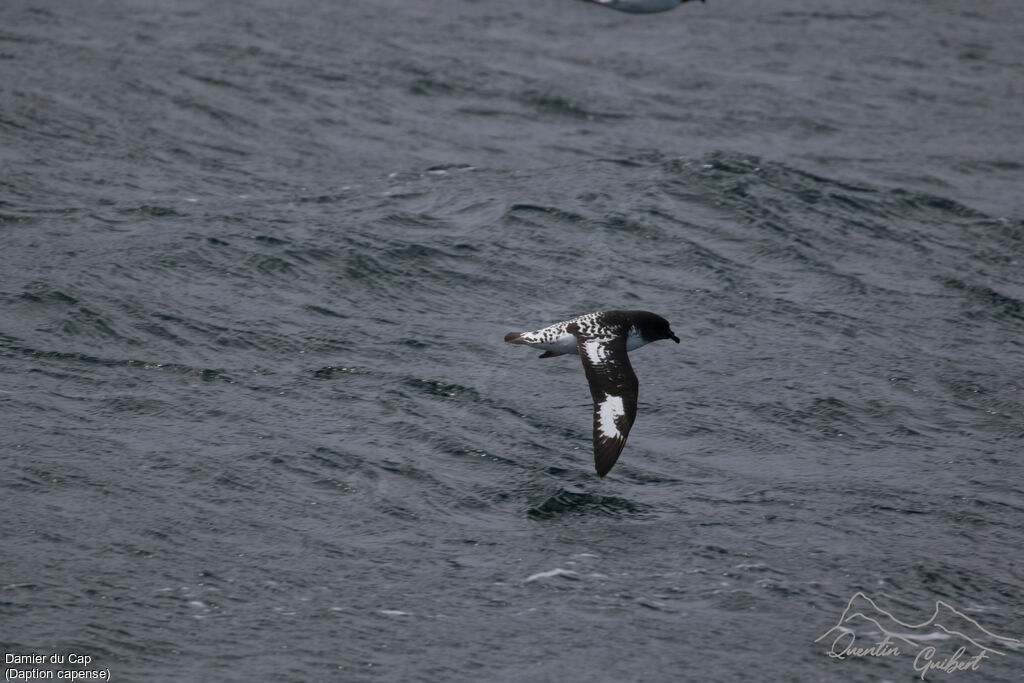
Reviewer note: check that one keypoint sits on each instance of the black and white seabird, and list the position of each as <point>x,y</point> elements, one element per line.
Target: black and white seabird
<point>640,6</point>
<point>602,341</point>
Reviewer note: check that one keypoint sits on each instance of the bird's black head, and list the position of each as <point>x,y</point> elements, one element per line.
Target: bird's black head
<point>653,327</point>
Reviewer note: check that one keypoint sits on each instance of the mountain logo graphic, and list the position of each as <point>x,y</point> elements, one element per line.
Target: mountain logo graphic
<point>973,643</point>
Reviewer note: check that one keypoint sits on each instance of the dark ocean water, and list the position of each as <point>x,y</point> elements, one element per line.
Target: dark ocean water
<point>258,421</point>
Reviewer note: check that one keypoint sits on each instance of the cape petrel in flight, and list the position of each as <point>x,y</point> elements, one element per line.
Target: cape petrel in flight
<point>602,341</point>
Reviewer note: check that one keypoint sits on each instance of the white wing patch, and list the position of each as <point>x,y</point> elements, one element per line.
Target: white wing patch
<point>609,410</point>
<point>597,350</point>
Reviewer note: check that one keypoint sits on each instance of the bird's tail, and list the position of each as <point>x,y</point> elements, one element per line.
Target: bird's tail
<point>515,338</point>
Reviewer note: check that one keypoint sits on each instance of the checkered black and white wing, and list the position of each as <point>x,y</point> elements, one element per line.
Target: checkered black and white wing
<point>614,388</point>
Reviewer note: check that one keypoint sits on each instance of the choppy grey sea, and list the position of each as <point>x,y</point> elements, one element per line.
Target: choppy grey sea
<point>258,423</point>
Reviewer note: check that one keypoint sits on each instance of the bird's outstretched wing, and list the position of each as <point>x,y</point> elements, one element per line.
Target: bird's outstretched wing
<point>614,388</point>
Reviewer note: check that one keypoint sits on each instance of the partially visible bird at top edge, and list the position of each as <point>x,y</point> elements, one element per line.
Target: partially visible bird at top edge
<point>640,6</point>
